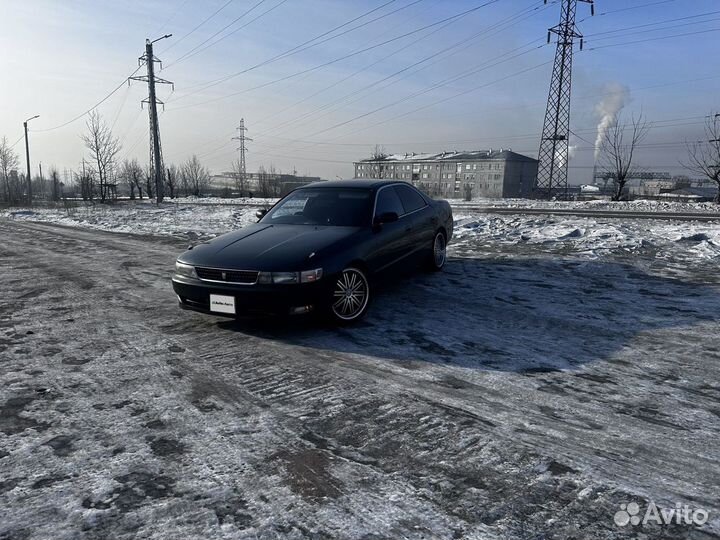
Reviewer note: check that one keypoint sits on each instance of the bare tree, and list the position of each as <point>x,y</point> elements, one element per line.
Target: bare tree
<point>8,162</point>
<point>378,154</point>
<point>55,184</point>
<point>171,181</point>
<point>86,182</point>
<point>183,184</point>
<point>149,181</point>
<point>195,175</point>
<point>617,150</point>
<point>263,183</point>
<point>704,156</point>
<point>132,174</point>
<point>103,147</point>
<point>268,182</point>
<point>276,188</point>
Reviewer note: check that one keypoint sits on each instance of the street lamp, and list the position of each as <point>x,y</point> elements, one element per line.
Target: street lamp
<point>27,157</point>
<point>158,39</point>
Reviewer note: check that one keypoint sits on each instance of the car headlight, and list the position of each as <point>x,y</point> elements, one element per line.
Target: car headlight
<point>289,278</point>
<point>311,276</point>
<point>185,270</point>
<point>284,277</point>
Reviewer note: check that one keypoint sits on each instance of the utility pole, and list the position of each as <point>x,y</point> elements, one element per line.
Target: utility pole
<point>27,158</point>
<point>156,162</point>
<point>554,144</point>
<point>242,149</point>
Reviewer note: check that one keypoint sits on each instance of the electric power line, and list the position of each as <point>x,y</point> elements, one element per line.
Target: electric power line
<point>437,55</point>
<point>652,39</point>
<point>676,19</point>
<point>334,61</point>
<point>103,100</point>
<point>302,46</point>
<point>200,25</point>
<point>621,10</point>
<point>197,49</point>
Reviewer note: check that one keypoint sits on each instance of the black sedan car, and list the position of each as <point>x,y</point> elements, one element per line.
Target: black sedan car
<point>321,248</point>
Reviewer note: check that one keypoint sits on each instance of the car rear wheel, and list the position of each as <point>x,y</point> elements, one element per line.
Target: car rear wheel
<point>439,252</point>
<point>350,297</point>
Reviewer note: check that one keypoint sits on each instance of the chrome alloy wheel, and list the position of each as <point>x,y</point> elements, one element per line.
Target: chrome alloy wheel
<point>350,295</point>
<point>439,250</point>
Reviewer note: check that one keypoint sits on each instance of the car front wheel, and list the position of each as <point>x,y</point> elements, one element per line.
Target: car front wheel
<point>351,296</point>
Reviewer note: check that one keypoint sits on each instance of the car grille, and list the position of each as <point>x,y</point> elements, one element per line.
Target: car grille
<point>246,277</point>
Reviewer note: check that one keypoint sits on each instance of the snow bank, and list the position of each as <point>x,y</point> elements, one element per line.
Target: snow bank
<point>475,232</point>
<point>593,237</point>
<point>640,205</point>
<point>169,219</point>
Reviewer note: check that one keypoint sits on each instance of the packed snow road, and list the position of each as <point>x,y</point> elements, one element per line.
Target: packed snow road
<point>523,393</point>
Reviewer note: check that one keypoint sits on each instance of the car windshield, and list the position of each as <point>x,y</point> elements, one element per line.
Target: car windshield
<point>340,207</point>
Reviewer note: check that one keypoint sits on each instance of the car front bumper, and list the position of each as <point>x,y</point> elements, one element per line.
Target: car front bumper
<point>301,298</point>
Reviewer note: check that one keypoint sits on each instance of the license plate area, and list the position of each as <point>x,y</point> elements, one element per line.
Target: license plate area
<point>219,303</point>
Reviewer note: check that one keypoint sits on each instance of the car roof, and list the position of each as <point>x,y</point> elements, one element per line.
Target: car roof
<point>354,183</point>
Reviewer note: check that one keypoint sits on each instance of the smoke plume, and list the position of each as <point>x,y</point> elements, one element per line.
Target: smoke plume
<point>616,97</point>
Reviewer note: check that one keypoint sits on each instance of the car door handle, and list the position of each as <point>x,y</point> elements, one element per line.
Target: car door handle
<point>408,229</point>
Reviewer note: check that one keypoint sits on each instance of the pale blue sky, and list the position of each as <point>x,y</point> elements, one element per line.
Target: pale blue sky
<point>62,57</point>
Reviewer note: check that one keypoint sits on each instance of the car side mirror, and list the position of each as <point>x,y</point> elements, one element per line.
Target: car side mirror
<point>386,217</point>
<point>261,213</point>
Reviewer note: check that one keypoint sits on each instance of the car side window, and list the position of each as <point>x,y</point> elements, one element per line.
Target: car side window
<point>411,199</point>
<point>388,201</point>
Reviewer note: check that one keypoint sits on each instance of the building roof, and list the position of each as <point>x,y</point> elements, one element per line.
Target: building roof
<point>502,154</point>
<point>357,183</point>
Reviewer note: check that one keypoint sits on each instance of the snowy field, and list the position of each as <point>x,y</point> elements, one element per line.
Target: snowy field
<point>640,205</point>
<point>186,221</point>
<point>558,368</point>
<point>583,236</point>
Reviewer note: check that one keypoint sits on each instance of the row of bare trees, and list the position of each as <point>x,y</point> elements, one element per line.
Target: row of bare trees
<point>704,156</point>
<point>190,178</point>
<point>13,184</point>
<point>9,163</point>
<point>622,139</point>
<point>100,175</point>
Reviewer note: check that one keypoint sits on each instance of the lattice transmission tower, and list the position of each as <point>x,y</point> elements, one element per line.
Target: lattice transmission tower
<point>241,150</point>
<point>554,145</point>
<point>156,160</point>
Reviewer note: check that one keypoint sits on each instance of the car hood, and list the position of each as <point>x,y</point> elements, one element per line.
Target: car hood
<point>267,247</point>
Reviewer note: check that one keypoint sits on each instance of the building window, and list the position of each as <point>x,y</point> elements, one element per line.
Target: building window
<point>467,166</point>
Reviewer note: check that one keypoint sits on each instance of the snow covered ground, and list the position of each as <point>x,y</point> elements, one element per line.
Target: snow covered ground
<point>640,205</point>
<point>558,368</point>
<point>675,243</point>
<point>187,221</point>
<point>475,230</point>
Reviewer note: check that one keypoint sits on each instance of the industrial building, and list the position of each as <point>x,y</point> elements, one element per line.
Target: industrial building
<point>483,173</point>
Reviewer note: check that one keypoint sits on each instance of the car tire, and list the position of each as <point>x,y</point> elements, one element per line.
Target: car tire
<point>438,252</point>
<point>350,297</point>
